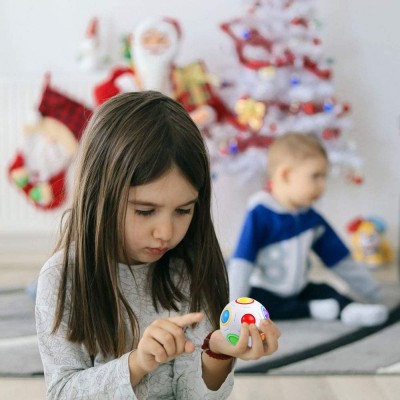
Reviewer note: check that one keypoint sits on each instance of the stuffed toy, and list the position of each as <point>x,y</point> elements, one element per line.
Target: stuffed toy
<point>369,245</point>
<point>154,46</point>
<point>49,144</point>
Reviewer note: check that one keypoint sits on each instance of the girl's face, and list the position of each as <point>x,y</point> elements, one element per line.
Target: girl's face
<point>306,182</point>
<point>158,216</point>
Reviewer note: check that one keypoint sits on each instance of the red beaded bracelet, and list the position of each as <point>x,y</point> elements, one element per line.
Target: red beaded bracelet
<point>206,348</point>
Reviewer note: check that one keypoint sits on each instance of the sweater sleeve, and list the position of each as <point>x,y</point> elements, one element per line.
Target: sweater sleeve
<point>328,245</point>
<point>254,233</point>
<point>188,380</point>
<point>334,253</point>
<point>68,368</point>
<point>239,272</point>
<point>359,279</point>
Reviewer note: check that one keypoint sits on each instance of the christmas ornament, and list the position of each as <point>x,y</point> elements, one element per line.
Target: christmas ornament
<point>89,50</point>
<point>250,112</point>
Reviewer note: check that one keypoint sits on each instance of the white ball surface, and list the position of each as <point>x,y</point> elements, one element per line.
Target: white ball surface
<point>243,309</point>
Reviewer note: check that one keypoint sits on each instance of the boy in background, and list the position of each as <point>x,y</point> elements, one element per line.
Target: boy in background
<point>271,262</point>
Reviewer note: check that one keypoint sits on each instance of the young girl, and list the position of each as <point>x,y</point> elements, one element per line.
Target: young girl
<point>129,305</point>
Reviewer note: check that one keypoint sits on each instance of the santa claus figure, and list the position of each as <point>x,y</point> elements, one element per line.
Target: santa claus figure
<point>155,45</point>
<point>89,50</point>
<point>50,142</point>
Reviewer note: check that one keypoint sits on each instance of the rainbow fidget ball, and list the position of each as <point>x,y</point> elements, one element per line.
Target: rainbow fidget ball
<point>243,309</point>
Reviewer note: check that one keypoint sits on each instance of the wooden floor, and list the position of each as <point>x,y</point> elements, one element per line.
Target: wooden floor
<point>317,388</point>
<point>259,388</point>
<point>14,272</point>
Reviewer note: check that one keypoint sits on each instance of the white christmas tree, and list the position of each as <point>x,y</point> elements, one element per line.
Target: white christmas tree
<point>282,83</point>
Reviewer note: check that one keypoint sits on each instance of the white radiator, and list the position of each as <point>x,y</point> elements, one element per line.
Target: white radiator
<point>19,97</point>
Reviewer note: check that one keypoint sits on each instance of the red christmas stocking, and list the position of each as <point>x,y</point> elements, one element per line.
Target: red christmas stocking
<point>39,167</point>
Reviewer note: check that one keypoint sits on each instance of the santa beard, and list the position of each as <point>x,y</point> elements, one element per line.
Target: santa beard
<point>44,159</point>
<point>154,68</point>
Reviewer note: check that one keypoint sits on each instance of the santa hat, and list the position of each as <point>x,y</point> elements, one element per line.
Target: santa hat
<point>92,29</point>
<point>71,113</point>
<point>110,88</point>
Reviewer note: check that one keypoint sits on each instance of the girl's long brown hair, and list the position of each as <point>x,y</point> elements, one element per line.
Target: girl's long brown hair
<point>131,140</point>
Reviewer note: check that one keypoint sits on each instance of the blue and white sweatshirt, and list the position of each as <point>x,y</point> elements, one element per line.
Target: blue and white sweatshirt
<point>275,245</point>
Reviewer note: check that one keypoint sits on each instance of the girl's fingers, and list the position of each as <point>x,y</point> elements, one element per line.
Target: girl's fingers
<point>242,345</point>
<point>170,337</point>
<point>257,346</point>
<point>264,340</point>
<point>188,319</point>
<point>189,347</point>
<point>272,334</point>
<point>170,344</point>
<point>250,345</point>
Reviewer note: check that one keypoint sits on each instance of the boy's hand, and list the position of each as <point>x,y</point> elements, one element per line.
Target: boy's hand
<point>259,348</point>
<point>164,340</point>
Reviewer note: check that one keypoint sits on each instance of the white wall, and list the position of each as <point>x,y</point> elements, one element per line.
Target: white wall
<point>361,35</point>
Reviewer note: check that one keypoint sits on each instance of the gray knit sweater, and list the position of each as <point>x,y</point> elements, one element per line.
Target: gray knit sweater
<point>71,374</point>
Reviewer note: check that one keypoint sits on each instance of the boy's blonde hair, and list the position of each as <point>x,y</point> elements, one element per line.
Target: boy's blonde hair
<point>293,147</point>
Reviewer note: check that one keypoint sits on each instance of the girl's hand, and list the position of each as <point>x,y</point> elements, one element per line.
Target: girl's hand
<point>163,341</point>
<point>259,348</point>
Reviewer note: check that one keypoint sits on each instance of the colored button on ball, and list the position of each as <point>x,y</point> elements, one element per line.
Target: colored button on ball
<point>248,318</point>
<point>225,316</point>
<point>232,338</point>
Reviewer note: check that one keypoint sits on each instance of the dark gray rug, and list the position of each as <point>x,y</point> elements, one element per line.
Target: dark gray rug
<point>305,338</point>
<point>19,354</point>
<point>306,346</point>
<point>375,353</point>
